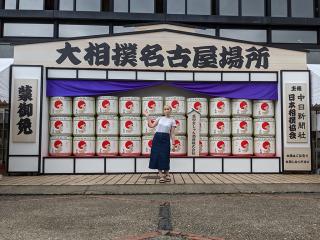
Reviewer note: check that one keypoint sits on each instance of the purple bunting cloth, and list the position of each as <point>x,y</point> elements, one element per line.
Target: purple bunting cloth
<point>248,90</point>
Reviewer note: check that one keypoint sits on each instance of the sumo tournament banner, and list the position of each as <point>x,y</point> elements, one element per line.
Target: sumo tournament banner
<point>24,111</point>
<point>193,133</point>
<point>296,121</point>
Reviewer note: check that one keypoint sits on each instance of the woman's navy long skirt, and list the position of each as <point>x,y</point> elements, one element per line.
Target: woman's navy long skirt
<point>160,152</point>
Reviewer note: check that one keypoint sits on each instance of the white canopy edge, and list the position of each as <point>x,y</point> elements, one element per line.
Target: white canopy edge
<point>4,78</point>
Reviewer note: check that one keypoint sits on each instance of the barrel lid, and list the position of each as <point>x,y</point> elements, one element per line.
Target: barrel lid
<point>175,97</point>
<point>242,119</point>
<point>147,137</point>
<point>107,97</point>
<point>130,138</point>
<point>61,137</point>
<point>61,98</point>
<point>87,118</point>
<point>84,98</point>
<point>181,137</point>
<point>78,138</point>
<point>219,99</point>
<point>152,98</point>
<point>130,118</point>
<point>264,138</point>
<point>61,118</point>
<point>112,117</point>
<point>220,119</point>
<point>264,120</point>
<point>242,138</point>
<point>129,98</point>
<point>113,138</point>
<point>220,138</point>
<point>197,99</point>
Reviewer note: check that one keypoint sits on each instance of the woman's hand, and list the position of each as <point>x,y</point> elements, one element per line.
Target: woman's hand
<point>145,112</point>
<point>152,122</point>
<point>173,149</point>
<point>173,138</point>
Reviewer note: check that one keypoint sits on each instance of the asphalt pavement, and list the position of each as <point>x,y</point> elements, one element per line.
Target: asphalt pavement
<point>220,216</point>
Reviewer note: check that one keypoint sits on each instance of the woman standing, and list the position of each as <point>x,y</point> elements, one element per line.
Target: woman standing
<point>160,150</point>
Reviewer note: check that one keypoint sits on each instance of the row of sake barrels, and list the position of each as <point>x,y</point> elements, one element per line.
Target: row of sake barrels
<point>62,106</point>
<point>109,146</point>
<point>243,146</point>
<point>131,126</point>
<point>111,126</point>
<point>133,146</point>
<point>222,107</point>
<point>242,126</point>
<point>219,107</point>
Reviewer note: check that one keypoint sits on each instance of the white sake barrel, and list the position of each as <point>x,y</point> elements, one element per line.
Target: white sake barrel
<point>61,126</point>
<point>204,127</point>
<point>84,106</point>
<point>220,146</point>
<point>263,108</point>
<point>130,106</point>
<point>220,127</point>
<point>242,146</point>
<point>264,147</point>
<point>130,126</point>
<point>203,146</point>
<point>179,146</point>
<point>152,105</point>
<point>146,130</point>
<point>241,107</point>
<point>84,146</point>
<point>220,107</point>
<point>146,145</point>
<point>198,104</point>
<point>177,103</point>
<point>130,146</point>
<point>107,125</point>
<point>181,122</point>
<point>242,126</point>
<point>107,146</point>
<point>107,105</point>
<point>61,106</point>
<point>264,127</point>
<point>84,126</point>
<point>60,146</point>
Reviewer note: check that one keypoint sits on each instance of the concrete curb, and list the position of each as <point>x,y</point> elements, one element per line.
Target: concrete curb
<point>161,189</point>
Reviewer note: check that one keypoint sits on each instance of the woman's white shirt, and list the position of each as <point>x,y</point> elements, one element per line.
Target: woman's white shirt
<point>165,124</point>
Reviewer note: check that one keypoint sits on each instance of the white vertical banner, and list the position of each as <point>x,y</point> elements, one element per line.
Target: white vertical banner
<point>193,133</point>
<point>24,111</point>
<point>25,118</point>
<point>296,120</point>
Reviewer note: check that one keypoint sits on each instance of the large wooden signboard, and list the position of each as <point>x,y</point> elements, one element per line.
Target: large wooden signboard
<point>160,49</point>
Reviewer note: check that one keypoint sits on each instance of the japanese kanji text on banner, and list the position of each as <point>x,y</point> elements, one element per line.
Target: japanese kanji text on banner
<point>296,112</point>
<point>24,110</point>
